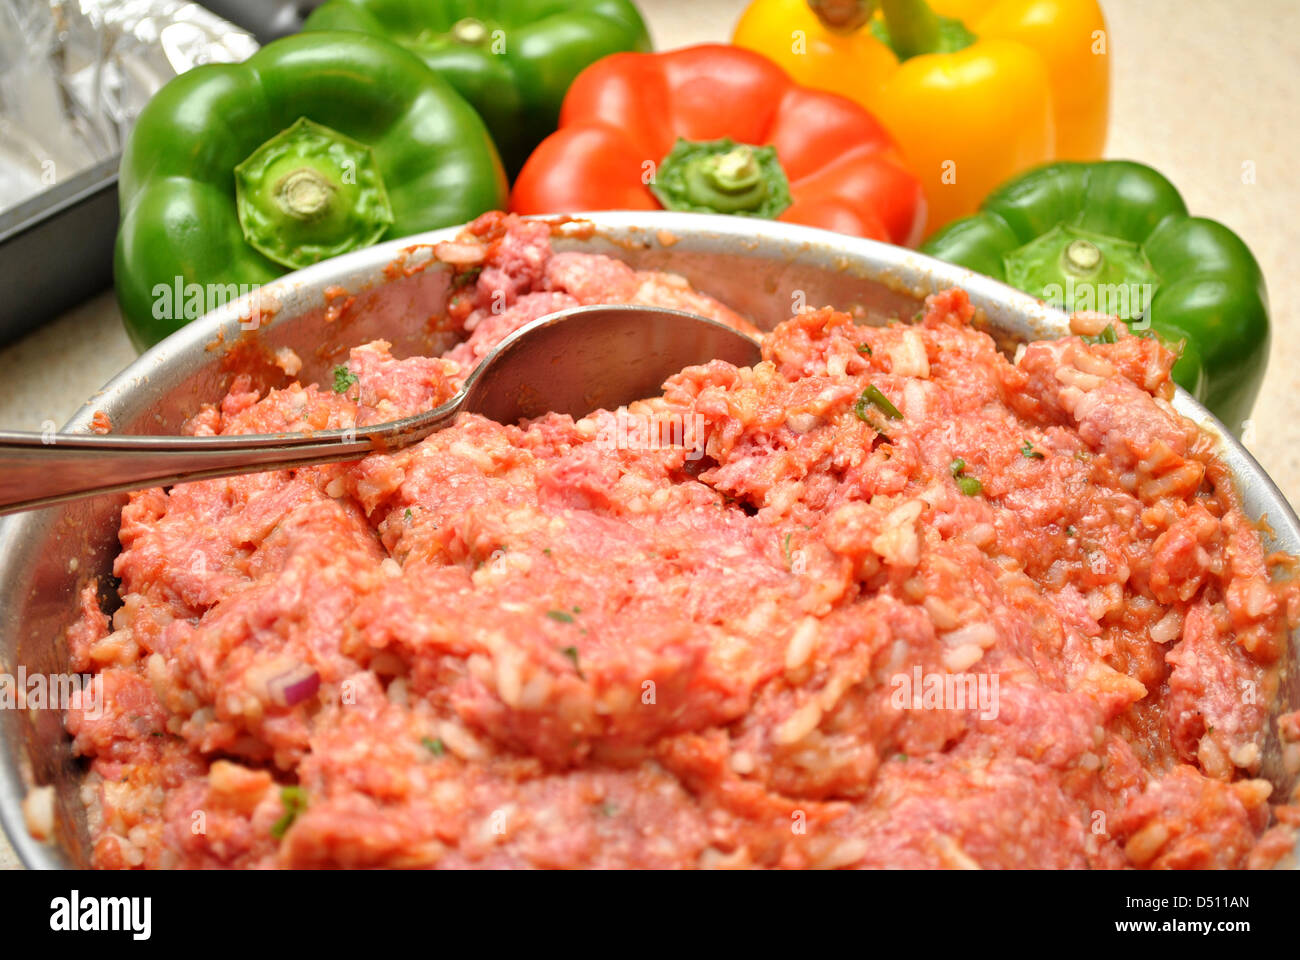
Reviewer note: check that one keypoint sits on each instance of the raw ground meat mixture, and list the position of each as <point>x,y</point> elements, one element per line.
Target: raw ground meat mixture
<point>513,646</point>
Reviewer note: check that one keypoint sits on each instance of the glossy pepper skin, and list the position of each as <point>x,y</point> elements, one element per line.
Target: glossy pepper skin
<point>1091,235</point>
<point>691,129</point>
<point>1031,83</point>
<point>376,106</point>
<point>513,60</point>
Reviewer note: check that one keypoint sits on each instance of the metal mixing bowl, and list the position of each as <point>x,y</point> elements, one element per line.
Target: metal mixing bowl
<point>761,268</point>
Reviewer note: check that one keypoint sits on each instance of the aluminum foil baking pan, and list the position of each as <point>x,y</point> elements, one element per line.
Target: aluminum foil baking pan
<point>74,74</point>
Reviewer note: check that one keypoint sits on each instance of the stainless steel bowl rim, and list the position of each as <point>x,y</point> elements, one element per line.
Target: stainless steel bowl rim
<point>1008,310</point>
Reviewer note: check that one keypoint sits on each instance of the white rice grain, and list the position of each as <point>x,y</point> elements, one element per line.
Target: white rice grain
<point>38,812</point>
<point>907,355</point>
<point>799,724</point>
<point>1168,628</point>
<point>802,643</point>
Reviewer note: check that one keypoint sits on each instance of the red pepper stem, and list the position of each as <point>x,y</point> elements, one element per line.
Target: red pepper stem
<point>735,171</point>
<point>913,27</point>
<point>722,176</point>
<point>732,181</point>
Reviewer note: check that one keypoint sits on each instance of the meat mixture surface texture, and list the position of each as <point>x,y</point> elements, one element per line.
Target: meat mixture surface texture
<point>894,600</point>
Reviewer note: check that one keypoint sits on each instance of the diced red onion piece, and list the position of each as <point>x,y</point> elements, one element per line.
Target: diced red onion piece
<point>294,685</point>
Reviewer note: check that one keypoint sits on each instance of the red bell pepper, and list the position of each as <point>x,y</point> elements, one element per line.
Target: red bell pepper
<point>719,129</point>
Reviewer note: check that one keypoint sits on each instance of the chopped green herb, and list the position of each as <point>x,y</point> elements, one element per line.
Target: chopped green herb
<point>873,397</point>
<point>1071,532</point>
<point>561,616</point>
<point>572,654</point>
<point>903,757</point>
<point>466,277</point>
<point>294,802</point>
<point>546,550</point>
<point>785,548</point>
<point>1027,449</point>
<point>343,379</point>
<point>865,348</point>
<point>1107,335</point>
<point>609,809</point>
<point>409,515</point>
<point>967,485</point>
<point>434,746</point>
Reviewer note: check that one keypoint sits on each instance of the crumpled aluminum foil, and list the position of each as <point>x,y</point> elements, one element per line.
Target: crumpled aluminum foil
<point>74,74</point>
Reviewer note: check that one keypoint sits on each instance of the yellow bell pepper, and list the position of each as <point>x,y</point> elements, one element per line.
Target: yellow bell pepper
<point>974,91</point>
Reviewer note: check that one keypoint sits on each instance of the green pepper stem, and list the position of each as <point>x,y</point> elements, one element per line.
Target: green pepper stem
<point>309,193</point>
<point>304,195</point>
<point>843,16</point>
<point>470,31</point>
<point>913,27</point>
<point>1082,258</point>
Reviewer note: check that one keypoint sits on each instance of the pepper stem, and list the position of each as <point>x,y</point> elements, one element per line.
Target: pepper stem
<point>309,193</point>
<point>733,172</point>
<point>913,27</point>
<point>304,195</point>
<point>910,28</point>
<point>1077,270</point>
<point>843,16</point>
<point>734,175</point>
<point>722,176</point>
<point>470,31</point>
<point>1082,258</point>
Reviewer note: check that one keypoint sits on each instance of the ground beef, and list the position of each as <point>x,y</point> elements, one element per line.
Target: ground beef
<point>908,604</point>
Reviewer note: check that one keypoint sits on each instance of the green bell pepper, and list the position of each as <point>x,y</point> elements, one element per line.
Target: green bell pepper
<point>318,144</point>
<point>512,59</point>
<point>1115,236</point>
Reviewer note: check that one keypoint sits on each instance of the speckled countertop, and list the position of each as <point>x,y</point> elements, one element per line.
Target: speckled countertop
<point>1200,91</point>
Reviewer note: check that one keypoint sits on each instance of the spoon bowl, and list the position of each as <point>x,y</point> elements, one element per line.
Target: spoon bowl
<point>573,362</point>
<point>594,358</point>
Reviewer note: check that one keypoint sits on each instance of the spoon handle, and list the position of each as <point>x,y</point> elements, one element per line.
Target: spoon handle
<point>38,469</point>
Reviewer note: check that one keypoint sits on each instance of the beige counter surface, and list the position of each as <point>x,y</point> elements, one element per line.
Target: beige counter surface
<point>1203,91</point>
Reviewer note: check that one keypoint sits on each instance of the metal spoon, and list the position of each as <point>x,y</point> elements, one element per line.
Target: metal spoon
<point>574,361</point>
